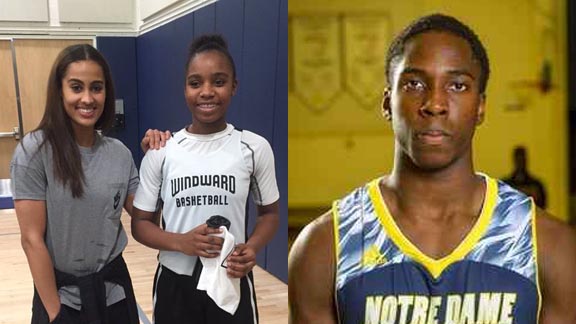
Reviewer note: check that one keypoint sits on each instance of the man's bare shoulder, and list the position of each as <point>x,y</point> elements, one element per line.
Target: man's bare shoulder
<point>554,236</point>
<point>557,265</point>
<point>319,226</point>
<point>311,274</point>
<point>315,239</point>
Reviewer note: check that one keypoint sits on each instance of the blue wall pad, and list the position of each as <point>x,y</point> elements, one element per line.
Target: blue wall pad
<point>120,52</point>
<point>6,203</point>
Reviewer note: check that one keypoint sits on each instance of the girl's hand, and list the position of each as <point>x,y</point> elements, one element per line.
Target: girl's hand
<point>242,260</point>
<point>199,242</point>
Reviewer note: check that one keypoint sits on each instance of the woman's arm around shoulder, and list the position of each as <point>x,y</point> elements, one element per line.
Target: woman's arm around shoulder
<point>557,269</point>
<point>311,274</point>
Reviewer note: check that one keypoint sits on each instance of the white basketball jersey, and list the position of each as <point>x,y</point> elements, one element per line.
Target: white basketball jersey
<point>197,186</point>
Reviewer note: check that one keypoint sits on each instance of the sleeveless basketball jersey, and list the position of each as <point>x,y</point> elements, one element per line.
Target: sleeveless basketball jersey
<point>491,277</point>
<point>197,186</point>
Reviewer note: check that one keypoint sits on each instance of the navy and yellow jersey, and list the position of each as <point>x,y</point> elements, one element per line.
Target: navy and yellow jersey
<point>490,277</point>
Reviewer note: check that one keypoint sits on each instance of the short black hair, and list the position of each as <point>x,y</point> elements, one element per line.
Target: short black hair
<point>441,23</point>
<point>210,42</point>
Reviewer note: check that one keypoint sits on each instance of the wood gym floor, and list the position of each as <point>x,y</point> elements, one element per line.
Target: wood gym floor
<point>16,289</point>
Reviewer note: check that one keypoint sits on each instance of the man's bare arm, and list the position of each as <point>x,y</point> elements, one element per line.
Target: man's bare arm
<point>311,268</point>
<point>557,270</point>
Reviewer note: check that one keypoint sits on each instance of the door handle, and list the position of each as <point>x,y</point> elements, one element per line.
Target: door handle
<point>14,133</point>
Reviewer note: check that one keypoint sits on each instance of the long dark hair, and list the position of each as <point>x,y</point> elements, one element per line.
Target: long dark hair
<point>56,124</point>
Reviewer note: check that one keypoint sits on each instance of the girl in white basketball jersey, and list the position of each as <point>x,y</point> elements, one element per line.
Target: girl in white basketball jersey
<point>207,168</point>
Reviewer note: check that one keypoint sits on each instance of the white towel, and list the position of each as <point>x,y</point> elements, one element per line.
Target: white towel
<point>223,290</point>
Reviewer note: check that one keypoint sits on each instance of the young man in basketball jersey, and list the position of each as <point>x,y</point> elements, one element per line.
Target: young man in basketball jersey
<point>434,241</point>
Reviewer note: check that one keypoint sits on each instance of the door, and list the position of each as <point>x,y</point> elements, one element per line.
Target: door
<point>8,109</point>
<point>34,59</point>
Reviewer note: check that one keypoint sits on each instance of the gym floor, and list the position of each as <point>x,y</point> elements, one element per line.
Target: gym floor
<point>16,290</point>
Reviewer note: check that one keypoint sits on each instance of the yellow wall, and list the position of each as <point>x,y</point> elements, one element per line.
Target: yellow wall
<point>333,151</point>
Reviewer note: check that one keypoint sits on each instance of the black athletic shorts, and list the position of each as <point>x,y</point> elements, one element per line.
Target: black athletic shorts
<point>177,301</point>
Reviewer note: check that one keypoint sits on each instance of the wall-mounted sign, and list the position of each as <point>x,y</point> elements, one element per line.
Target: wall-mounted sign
<point>365,45</point>
<point>316,77</point>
